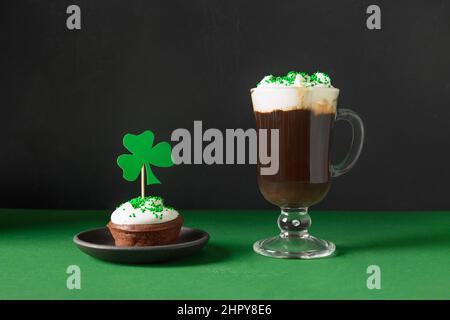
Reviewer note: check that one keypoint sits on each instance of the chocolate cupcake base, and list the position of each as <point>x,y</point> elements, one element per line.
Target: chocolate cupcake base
<point>140,235</point>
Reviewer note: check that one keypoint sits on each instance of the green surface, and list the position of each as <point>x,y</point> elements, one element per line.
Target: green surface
<point>412,250</point>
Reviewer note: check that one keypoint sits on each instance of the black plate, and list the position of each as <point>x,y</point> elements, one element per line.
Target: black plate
<point>99,243</point>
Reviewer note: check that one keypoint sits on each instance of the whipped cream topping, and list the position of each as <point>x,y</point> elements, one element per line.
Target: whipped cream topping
<point>296,90</point>
<point>297,79</point>
<point>148,210</point>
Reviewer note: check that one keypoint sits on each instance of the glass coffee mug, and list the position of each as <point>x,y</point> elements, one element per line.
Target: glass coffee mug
<point>304,118</point>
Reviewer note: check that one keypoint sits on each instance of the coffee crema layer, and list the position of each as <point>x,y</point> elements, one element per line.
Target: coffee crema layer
<point>316,99</point>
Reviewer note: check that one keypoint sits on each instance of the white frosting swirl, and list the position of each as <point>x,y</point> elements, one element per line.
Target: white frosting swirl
<point>150,210</point>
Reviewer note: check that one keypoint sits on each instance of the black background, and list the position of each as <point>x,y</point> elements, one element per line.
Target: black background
<point>68,97</point>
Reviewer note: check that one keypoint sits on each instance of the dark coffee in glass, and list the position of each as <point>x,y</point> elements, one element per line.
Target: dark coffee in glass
<point>303,177</point>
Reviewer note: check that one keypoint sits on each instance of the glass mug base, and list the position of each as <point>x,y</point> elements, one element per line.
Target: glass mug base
<point>294,240</point>
<point>303,246</point>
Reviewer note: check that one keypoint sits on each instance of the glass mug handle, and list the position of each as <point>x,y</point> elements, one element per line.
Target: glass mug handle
<point>356,144</point>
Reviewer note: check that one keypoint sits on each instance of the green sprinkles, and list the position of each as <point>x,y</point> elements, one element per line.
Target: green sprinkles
<point>317,78</point>
<point>151,204</point>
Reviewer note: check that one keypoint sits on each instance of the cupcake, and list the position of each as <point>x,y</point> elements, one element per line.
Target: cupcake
<point>145,222</point>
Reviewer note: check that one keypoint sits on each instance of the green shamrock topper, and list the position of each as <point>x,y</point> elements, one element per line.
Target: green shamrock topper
<point>143,154</point>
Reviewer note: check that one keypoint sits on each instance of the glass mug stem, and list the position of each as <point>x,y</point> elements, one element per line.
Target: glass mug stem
<point>294,222</point>
<point>294,240</point>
